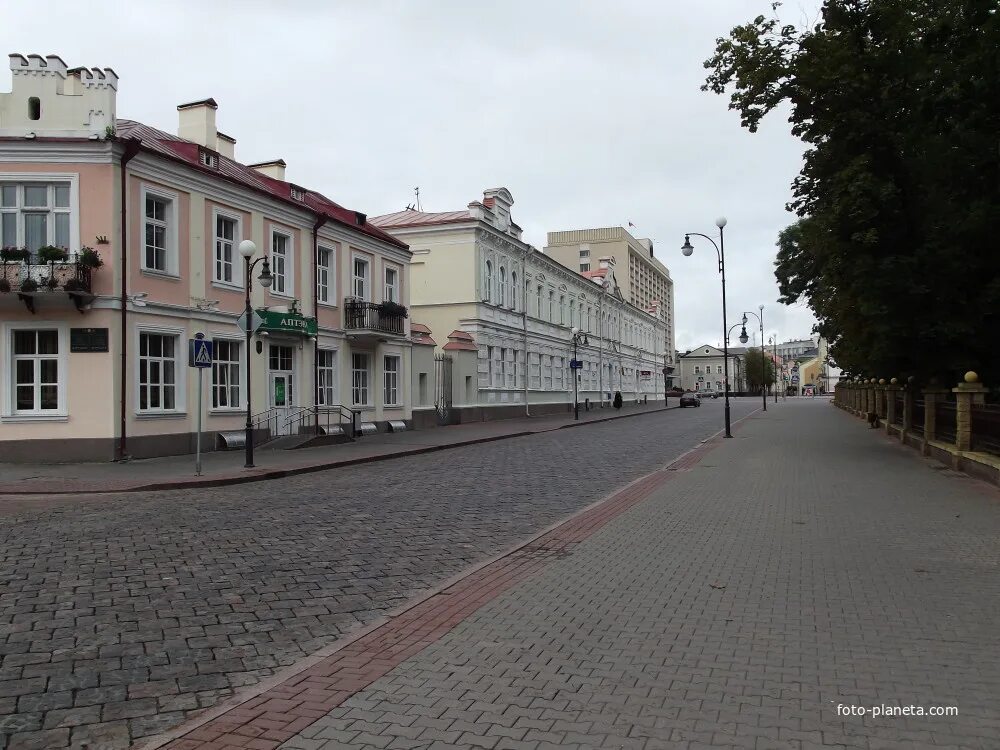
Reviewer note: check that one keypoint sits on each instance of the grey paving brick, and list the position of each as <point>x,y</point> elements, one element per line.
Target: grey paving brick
<point>737,607</point>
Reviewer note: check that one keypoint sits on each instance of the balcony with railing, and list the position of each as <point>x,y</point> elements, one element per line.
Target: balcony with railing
<point>374,318</point>
<point>49,273</point>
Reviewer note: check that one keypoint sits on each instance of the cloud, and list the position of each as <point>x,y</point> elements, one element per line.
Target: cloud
<point>589,112</point>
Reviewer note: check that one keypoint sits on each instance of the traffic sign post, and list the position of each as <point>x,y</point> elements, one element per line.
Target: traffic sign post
<point>200,351</point>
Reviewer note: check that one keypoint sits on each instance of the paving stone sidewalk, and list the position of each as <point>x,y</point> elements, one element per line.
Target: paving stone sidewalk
<point>803,566</point>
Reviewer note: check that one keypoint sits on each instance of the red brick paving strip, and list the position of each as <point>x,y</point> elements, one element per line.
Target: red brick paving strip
<point>278,714</point>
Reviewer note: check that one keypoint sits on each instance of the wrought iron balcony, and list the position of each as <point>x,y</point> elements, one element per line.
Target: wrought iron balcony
<point>31,275</point>
<point>385,317</point>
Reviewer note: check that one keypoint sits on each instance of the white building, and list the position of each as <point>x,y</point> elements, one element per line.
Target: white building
<point>471,271</point>
<point>703,369</point>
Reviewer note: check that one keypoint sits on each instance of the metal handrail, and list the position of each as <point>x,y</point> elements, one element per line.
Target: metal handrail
<point>298,418</point>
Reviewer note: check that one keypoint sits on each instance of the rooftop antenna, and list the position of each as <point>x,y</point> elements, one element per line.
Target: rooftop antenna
<point>416,191</point>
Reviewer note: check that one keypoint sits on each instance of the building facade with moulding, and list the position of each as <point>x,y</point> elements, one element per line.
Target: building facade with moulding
<point>702,369</point>
<point>473,274</point>
<point>93,360</point>
<point>644,280</point>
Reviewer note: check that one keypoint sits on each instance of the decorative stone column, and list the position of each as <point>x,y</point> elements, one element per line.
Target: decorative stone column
<point>907,408</point>
<point>880,398</point>
<point>872,404</point>
<point>967,393</point>
<point>890,404</point>
<point>933,395</point>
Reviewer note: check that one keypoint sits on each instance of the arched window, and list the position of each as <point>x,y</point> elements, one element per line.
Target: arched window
<point>488,281</point>
<point>538,295</point>
<point>513,290</point>
<point>502,291</point>
<point>552,306</point>
<point>34,108</point>
<point>572,312</point>
<point>562,309</point>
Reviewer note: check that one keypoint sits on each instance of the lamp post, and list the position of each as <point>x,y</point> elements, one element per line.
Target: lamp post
<point>763,365</point>
<point>773,341</point>
<point>247,250</point>
<point>578,338</point>
<point>720,249</point>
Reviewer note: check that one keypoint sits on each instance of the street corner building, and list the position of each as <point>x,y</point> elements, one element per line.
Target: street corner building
<point>523,324</point>
<point>120,242</point>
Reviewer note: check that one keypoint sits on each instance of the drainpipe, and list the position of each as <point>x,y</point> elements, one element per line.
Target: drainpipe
<point>524,327</point>
<point>320,221</point>
<point>131,149</point>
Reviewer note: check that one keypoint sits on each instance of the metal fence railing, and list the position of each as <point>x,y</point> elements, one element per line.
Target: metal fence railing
<point>945,421</point>
<point>986,428</point>
<point>917,424</point>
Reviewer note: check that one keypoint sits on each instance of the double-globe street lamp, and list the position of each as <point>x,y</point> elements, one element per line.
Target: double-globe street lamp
<point>720,250</point>
<point>763,365</point>
<point>247,250</point>
<point>578,338</point>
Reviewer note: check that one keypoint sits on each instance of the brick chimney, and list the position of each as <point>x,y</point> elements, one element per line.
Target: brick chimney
<point>196,122</point>
<point>275,169</point>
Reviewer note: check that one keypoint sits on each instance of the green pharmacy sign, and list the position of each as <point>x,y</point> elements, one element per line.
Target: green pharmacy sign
<point>287,322</point>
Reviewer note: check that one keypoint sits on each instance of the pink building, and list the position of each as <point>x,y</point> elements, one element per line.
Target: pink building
<point>121,242</point>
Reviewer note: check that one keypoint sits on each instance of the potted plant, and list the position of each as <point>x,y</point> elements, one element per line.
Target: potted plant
<point>4,286</point>
<point>89,258</point>
<point>392,309</point>
<point>52,282</point>
<point>52,254</point>
<point>28,286</point>
<point>74,285</point>
<point>13,254</point>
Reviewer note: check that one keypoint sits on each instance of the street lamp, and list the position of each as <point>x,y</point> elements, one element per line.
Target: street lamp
<point>247,250</point>
<point>773,341</point>
<point>763,367</point>
<point>720,251</point>
<point>578,338</point>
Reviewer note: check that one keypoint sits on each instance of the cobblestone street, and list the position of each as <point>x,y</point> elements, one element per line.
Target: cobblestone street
<point>759,593</point>
<point>122,614</point>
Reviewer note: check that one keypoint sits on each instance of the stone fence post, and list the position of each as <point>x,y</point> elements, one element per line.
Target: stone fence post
<point>933,394</point>
<point>872,394</point>
<point>907,410</point>
<point>967,393</point>
<point>880,407</point>
<point>890,404</point>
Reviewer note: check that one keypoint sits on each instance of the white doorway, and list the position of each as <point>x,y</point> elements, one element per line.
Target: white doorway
<point>281,386</point>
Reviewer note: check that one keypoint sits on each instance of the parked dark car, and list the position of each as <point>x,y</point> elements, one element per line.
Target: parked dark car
<point>690,399</point>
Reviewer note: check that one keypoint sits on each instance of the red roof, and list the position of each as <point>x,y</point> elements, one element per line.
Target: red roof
<point>178,149</point>
<point>466,346</point>
<point>460,335</point>
<point>413,218</point>
<point>419,328</point>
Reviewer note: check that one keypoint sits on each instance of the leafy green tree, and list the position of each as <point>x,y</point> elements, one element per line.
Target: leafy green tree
<point>753,371</point>
<point>898,199</point>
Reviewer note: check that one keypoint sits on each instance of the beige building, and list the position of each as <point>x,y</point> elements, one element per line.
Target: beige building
<point>643,279</point>
<point>121,241</point>
<point>473,275</point>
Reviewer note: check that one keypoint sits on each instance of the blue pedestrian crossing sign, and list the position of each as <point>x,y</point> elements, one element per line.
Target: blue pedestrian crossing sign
<point>200,352</point>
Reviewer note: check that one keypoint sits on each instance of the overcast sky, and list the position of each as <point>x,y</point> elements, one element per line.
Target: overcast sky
<point>590,113</point>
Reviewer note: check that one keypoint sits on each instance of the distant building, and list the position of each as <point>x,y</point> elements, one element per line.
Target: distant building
<point>643,279</point>
<point>702,369</point>
<point>797,348</point>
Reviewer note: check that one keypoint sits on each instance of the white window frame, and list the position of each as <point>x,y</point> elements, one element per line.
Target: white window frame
<point>367,280</point>
<point>396,373</point>
<point>237,281</point>
<point>488,281</point>
<point>513,291</point>
<point>240,369</point>
<point>330,373</point>
<point>8,412</point>
<point>502,286</point>
<point>180,367</point>
<point>172,259</point>
<point>331,275</point>
<point>74,203</point>
<point>368,378</point>
<point>288,264</point>
<point>391,292</point>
